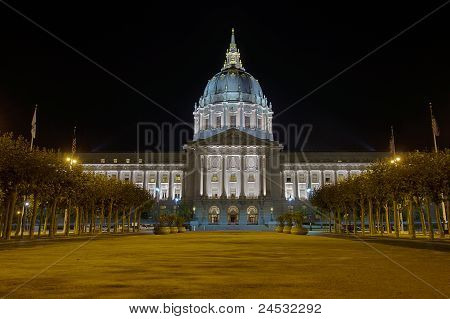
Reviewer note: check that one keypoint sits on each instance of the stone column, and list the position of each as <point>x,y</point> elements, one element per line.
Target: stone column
<point>261,177</point>
<point>224,194</point>
<point>205,176</point>
<point>242,194</point>
<point>201,174</point>
<point>294,184</point>
<point>263,168</point>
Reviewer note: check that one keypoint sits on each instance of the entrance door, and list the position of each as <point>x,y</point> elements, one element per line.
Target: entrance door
<point>233,215</point>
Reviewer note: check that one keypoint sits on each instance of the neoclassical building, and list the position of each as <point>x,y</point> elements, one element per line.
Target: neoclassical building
<point>233,173</point>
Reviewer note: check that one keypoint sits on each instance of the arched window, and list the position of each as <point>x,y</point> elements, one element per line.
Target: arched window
<point>213,215</point>
<point>252,215</point>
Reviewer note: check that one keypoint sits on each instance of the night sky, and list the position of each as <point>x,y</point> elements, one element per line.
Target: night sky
<point>169,51</point>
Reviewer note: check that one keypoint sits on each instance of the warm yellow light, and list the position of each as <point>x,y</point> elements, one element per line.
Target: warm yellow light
<point>392,161</point>
<point>18,212</point>
<point>397,159</point>
<point>74,161</point>
<point>68,159</point>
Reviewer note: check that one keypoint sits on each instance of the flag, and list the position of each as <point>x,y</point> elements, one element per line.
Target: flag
<point>33,124</point>
<point>392,142</point>
<point>74,141</point>
<point>434,126</point>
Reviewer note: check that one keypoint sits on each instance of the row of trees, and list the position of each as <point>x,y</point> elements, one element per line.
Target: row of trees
<point>413,188</point>
<point>38,186</point>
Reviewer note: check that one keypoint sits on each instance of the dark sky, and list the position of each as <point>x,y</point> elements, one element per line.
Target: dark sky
<point>168,51</point>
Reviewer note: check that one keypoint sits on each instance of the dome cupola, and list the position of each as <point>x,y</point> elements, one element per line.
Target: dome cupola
<point>233,98</point>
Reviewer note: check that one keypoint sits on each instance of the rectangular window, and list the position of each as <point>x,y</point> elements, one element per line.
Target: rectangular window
<point>302,178</point>
<point>102,161</point>
<point>247,121</point>
<point>232,120</point>
<point>251,178</point>
<point>140,161</point>
<point>233,178</point>
<point>164,179</point>
<point>177,178</point>
<point>115,161</point>
<point>152,179</point>
<point>314,178</point>
<point>219,122</point>
<point>259,123</point>
<point>289,179</point>
<point>214,178</point>
<point>127,161</point>
<point>206,124</point>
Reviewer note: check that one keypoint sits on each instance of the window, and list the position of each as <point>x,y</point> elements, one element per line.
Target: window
<point>232,120</point>
<point>165,179</point>
<point>233,192</point>
<point>302,178</point>
<point>164,194</point>
<point>115,161</point>
<point>247,121</point>
<point>233,178</point>
<point>259,123</point>
<point>127,161</point>
<point>340,177</point>
<point>327,179</point>
<point>213,215</point>
<point>252,215</point>
<point>314,178</point>
<point>140,161</point>
<point>206,124</point>
<point>102,160</point>
<point>152,179</point>
<point>177,178</point>
<point>251,178</point>
<point>219,121</point>
<point>214,178</point>
<point>289,179</point>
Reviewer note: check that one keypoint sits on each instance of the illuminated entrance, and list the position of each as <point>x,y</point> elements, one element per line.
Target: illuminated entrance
<point>233,215</point>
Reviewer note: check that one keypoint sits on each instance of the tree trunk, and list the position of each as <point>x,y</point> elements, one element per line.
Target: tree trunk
<point>53,221</point>
<point>41,210</point>
<point>411,226</point>
<point>330,217</point>
<point>422,218</point>
<point>370,217</point>
<point>92,224</point>
<point>129,219</point>
<point>139,212</point>
<point>355,218</point>
<point>123,221</point>
<point>396,219</point>
<point>76,227</point>
<point>134,220</point>
<point>438,220</point>
<point>102,216</point>
<point>430,223</point>
<point>67,218</point>
<point>116,221</point>
<point>10,214</point>
<point>110,212</point>
<point>388,222</point>
<point>378,229</point>
<point>363,224</point>
<point>33,215</point>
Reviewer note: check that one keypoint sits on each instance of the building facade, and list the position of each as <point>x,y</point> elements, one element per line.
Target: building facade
<point>233,174</point>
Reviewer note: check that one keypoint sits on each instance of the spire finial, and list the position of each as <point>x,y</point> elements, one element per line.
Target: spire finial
<point>232,56</point>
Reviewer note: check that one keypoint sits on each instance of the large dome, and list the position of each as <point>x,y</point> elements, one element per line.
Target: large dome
<point>233,84</point>
<point>233,99</point>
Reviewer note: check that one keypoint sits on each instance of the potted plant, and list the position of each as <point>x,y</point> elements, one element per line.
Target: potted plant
<point>162,228</point>
<point>280,226</point>
<point>287,223</point>
<point>173,224</point>
<point>297,228</point>
<point>180,224</point>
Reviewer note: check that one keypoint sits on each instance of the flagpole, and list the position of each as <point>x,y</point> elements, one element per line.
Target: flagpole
<point>433,128</point>
<point>33,127</point>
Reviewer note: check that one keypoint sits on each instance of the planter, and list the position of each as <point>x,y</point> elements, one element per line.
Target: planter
<point>181,229</point>
<point>162,231</point>
<point>173,230</point>
<point>287,229</point>
<point>279,229</point>
<point>296,230</point>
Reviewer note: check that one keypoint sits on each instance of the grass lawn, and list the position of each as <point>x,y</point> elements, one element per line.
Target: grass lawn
<point>224,265</point>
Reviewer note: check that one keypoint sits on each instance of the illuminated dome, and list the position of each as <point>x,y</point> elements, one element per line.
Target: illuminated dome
<point>233,98</point>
